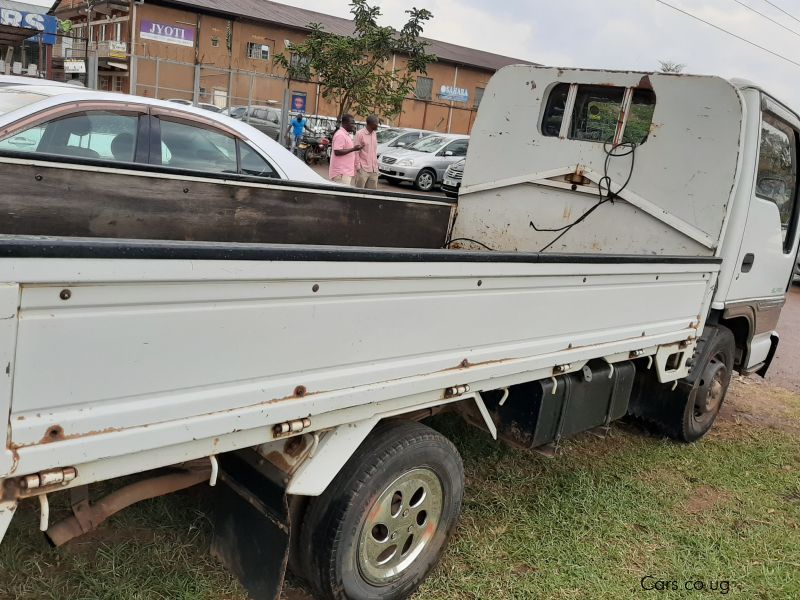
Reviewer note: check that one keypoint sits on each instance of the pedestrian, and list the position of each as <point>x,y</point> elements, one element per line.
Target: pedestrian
<point>295,131</point>
<point>367,157</point>
<point>343,159</point>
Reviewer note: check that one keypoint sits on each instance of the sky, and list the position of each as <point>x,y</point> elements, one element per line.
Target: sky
<point>613,34</point>
<point>616,34</point>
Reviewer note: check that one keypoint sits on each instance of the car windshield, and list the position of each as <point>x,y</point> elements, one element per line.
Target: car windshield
<point>428,144</point>
<point>11,100</point>
<point>238,111</point>
<point>387,135</point>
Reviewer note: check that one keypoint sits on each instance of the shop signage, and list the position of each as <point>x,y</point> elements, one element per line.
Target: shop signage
<point>47,24</point>
<point>182,35</point>
<point>455,94</point>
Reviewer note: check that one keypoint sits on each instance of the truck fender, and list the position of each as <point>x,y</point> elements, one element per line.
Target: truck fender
<point>333,450</point>
<point>7,510</point>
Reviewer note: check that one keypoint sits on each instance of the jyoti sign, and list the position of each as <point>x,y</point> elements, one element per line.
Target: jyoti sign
<point>169,34</point>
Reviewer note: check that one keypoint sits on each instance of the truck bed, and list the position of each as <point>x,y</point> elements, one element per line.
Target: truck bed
<point>151,353</point>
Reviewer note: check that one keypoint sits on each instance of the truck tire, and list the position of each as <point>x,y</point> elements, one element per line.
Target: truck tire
<point>687,413</point>
<point>384,522</point>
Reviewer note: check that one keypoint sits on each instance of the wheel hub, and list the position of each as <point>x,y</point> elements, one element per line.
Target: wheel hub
<point>400,525</point>
<point>711,401</point>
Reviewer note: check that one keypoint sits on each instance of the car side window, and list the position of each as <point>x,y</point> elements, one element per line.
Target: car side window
<point>777,170</point>
<point>187,146</point>
<point>252,163</point>
<point>104,135</point>
<point>458,148</point>
<point>273,117</point>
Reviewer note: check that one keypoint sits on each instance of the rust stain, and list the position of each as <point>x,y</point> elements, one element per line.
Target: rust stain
<point>645,84</point>
<point>53,434</point>
<point>276,458</point>
<point>295,446</point>
<point>300,391</point>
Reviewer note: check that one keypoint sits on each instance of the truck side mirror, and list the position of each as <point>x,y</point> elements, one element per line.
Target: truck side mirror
<point>448,153</point>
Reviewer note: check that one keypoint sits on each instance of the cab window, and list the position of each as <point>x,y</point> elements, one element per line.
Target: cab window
<point>777,171</point>
<point>597,112</point>
<point>103,135</point>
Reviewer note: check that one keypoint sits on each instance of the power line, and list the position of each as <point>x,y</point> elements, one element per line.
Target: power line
<point>768,18</point>
<point>773,5</point>
<point>730,33</point>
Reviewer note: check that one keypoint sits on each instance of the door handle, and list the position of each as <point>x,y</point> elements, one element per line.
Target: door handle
<point>747,263</point>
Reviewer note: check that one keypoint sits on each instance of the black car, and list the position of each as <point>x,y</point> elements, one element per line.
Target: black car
<point>452,179</point>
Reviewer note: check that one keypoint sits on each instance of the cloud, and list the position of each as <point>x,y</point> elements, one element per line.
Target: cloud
<point>614,34</point>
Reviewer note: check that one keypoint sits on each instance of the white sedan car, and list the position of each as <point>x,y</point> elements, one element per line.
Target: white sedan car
<point>49,122</point>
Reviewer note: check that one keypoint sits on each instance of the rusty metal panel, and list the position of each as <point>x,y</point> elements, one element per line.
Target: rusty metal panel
<point>111,203</point>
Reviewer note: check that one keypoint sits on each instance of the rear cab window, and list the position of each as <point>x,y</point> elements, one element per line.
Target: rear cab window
<point>599,113</point>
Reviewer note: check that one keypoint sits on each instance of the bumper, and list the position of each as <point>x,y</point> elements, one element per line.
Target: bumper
<point>451,189</point>
<point>400,173</point>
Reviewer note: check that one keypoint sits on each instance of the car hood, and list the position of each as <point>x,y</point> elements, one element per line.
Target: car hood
<point>400,154</point>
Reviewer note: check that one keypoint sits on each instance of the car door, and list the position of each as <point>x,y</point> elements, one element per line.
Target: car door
<point>769,245</point>
<point>273,124</point>
<point>450,154</point>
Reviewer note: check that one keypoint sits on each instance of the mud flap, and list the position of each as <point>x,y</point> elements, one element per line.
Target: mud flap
<point>251,527</point>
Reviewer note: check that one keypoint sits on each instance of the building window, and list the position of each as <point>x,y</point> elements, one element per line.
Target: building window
<point>257,51</point>
<point>424,88</point>
<point>118,84</point>
<point>479,96</point>
<point>215,42</point>
<point>102,33</point>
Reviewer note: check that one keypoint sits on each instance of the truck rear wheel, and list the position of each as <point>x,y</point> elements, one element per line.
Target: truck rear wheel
<point>384,522</point>
<point>688,413</point>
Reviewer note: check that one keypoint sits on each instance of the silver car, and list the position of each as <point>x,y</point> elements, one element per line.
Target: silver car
<point>395,138</point>
<point>425,161</point>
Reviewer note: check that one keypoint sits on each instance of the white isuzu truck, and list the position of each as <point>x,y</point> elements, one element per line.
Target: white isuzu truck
<point>623,242</point>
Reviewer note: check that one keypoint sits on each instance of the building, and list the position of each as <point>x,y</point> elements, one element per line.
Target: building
<point>221,53</point>
<point>27,36</point>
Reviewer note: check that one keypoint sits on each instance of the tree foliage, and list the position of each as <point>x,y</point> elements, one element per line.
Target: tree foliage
<point>667,66</point>
<point>356,72</point>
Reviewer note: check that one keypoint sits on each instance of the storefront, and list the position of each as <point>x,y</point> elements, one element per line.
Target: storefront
<point>27,36</point>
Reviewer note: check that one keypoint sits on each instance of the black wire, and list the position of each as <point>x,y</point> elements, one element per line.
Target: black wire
<point>451,242</point>
<point>603,188</point>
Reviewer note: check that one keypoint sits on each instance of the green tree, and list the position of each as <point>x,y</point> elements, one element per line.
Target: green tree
<point>356,73</point>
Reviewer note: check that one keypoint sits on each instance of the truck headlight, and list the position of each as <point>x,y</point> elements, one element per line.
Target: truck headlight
<point>406,162</point>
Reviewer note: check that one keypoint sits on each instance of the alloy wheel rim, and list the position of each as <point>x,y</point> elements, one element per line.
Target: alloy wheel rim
<point>400,525</point>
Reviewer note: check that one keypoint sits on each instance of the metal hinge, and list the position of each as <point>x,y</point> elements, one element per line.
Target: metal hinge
<point>291,427</point>
<point>48,478</point>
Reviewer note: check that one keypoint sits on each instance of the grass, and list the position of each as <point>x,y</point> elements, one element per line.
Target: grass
<point>590,524</point>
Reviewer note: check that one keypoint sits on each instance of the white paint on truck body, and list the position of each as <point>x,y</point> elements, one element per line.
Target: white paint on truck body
<point>681,183</point>
<point>148,354</point>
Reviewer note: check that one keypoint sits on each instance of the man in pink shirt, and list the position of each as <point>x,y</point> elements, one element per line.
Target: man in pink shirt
<point>367,161</point>
<point>343,159</point>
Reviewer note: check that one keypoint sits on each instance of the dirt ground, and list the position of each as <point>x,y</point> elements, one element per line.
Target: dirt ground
<point>784,371</point>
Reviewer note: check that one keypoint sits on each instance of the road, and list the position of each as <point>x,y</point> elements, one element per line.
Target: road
<point>784,371</point>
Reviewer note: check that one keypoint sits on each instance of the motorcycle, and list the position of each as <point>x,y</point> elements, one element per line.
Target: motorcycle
<point>316,151</point>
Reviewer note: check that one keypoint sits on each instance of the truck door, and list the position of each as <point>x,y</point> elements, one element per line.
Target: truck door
<point>770,240</point>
